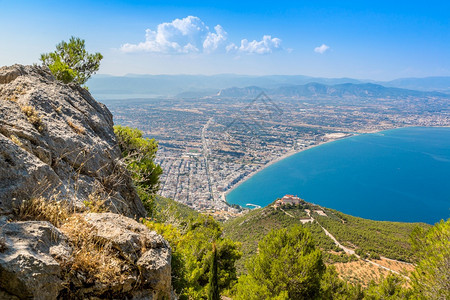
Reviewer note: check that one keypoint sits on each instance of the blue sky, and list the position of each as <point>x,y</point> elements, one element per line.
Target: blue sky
<point>379,40</point>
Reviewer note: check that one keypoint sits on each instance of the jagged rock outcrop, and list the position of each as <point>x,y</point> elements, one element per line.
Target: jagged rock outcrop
<point>57,143</point>
<point>55,139</point>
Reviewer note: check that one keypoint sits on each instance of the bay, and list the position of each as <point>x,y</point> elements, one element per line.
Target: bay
<point>394,175</point>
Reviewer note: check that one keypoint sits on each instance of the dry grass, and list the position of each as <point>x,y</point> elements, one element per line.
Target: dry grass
<point>95,259</point>
<point>96,204</point>
<point>363,272</point>
<point>16,140</point>
<point>79,130</point>
<point>398,266</point>
<point>40,209</point>
<point>360,272</point>
<point>33,117</point>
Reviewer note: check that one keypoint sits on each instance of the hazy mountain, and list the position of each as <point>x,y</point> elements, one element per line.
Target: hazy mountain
<point>104,86</point>
<point>135,86</point>
<point>441,84</point>
<point>312,90</point>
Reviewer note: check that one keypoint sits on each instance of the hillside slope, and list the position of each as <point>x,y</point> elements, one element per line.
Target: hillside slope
<point>367,238</point>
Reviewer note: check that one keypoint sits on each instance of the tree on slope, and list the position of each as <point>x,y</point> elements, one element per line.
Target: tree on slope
<point>71,62</point>
<point>431,278</point>
<point>139,155</point>
<point>287,266</point>
<point>213,284</point>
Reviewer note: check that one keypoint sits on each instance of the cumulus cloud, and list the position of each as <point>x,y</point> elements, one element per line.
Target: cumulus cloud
<point>215,40</point>
<point>191,35</point>
<point>265,46</point>
<point>179,36</point>
<point>321,49</point>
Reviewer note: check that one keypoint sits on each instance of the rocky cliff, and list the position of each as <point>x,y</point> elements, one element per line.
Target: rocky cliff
<point>57,145</point>
<point>55,139</point>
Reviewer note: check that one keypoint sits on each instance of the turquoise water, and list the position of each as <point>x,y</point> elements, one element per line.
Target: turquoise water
<point>394,175</point>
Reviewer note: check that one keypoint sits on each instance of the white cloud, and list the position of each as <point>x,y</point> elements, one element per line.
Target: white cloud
<point>179,36</point>
<point>265,46</point>
<point>215,40</point>
<point>321,49</point>
<point>191,35</point>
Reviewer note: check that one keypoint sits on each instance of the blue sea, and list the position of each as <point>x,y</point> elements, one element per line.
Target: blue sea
<point>394,175</point>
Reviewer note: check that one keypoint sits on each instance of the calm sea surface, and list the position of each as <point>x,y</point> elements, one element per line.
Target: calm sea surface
<point>394,175</point>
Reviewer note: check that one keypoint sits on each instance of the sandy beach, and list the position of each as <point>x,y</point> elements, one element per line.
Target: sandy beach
<point>286,155</point>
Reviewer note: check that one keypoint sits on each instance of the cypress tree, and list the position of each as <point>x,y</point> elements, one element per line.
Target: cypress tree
<point>213,284</point>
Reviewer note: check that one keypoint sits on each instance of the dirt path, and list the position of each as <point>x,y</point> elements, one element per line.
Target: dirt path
<point>348,250</point>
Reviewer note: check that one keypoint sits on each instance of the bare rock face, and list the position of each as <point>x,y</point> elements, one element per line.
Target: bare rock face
<point>29,268</point>
<point>55,139</point>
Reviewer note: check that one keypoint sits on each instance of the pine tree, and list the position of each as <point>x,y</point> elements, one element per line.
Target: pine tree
<point>431,278</point>
<point>287,266</point>
<point>71,62</point>
<point>213,285</point>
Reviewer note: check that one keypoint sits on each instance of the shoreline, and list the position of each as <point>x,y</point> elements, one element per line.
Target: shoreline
<point>286,155</point>
<point>292,152</point>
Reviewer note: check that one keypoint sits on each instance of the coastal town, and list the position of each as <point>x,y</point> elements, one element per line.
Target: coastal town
<point>209,146</point>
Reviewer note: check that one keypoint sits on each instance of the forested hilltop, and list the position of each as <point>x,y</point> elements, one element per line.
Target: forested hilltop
<point>347,241</point>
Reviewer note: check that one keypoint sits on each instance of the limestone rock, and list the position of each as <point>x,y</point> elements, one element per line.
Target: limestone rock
<point>142,247</point>
<point>28,268</point>
<point>55,139</point>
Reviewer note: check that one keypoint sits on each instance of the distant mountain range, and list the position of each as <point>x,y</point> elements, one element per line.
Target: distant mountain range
<point>140,86</point>
<point>314,90</point>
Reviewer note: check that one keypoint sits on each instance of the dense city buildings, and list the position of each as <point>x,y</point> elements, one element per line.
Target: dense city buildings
<point>209,145</point>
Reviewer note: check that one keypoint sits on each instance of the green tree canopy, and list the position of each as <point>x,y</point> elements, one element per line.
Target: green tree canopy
<point>71,62</point>
<point>431,278</point>
<point>139,154</point>
<point>391,287</point>
<point>287,266</point>
<point>192,256</point>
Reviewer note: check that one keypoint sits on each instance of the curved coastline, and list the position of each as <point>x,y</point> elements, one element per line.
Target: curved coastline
<point>292,152</point>
<point>286,155</point>
<point>386,163</point>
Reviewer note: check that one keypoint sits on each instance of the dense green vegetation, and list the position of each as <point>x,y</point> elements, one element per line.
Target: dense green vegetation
<point>371,239</point>
<point>289,266</point>
<point>138,154</point>
<point>431,278</point>
<point>71,62</point>
<point>192,253</point>
<point>213,284</point>
<point>391,287</point>
<point>172,212</point>
<point>250,228</point>
<point>389,239</point>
